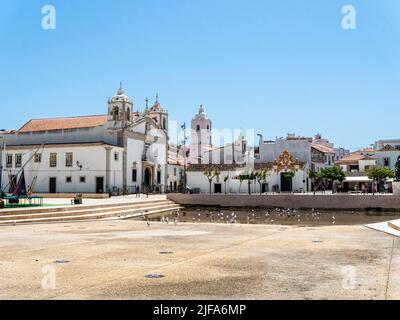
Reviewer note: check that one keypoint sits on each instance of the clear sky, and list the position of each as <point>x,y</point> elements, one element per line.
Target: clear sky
<point>275,66</point>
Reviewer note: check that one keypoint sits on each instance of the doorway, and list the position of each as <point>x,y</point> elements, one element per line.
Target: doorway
<point>264,187</point>
<point>53,185</point>
<point>217,188</point>
<point>286,182</point>
<point>147,178</point>
<point>99,184</point>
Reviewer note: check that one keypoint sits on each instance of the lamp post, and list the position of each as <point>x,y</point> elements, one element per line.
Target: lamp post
<point>184,156</point>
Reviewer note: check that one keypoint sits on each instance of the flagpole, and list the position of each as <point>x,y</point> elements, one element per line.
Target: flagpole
<point>2,148</point>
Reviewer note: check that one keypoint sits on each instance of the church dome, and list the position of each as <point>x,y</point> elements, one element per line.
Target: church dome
<point>202,113</point>
<point>120,96</point>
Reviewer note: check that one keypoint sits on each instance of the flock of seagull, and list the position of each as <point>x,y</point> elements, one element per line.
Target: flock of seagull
<point>271,216</point>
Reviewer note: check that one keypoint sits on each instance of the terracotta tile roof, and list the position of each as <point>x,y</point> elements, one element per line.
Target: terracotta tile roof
<point>354,158</point>
<point>366,150</point>
<point>63,123</point>
<point>322,148</point>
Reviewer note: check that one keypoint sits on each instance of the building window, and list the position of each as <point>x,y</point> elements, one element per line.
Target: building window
<point>134,175</point>
<point>82,179</point>
<point>174,172</point>
<point>53,160</point>
<point>37,158</point>
<point>18,160</point>
<point>9,161</point>
<point>198,128</point>
<point>68,179</point>
<point>386,162</point>
<point>116,156</point>
<point>68,159</point>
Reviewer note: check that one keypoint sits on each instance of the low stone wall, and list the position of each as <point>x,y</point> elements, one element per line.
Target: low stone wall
<point>293,201</point>
<point>71,195</point>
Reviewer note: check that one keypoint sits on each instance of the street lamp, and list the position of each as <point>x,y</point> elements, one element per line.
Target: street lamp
<point>184,156</point>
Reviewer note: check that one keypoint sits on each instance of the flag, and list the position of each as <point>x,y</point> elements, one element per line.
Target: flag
<point>20,189</point>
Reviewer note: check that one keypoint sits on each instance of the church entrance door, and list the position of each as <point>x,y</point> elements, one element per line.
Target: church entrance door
<point>286,182</point>
<point>147,178</point>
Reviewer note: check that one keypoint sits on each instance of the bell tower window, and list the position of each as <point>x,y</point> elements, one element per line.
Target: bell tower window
<point>115,113</point>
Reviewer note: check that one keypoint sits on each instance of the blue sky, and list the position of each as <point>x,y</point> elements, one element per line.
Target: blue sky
<point>275,66</point>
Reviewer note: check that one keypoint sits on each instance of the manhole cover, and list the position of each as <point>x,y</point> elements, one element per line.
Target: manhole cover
<point>154,276</point>
<point>166,252</point>
<point>61,261</point>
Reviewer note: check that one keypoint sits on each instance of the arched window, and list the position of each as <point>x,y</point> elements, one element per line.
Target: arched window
<point>164,124</point>
<point>115,113</point>
<point>128,114</point>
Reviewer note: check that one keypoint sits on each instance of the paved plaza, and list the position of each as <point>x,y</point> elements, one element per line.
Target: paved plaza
<point>110,259</point>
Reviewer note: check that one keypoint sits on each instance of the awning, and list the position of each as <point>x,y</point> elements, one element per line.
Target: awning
<point>358,179</point>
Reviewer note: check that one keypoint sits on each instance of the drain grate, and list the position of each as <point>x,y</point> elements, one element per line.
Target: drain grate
<point>166,252</point>
<point>317,241</point>
<point>154,276</point>
<point>61,261</point>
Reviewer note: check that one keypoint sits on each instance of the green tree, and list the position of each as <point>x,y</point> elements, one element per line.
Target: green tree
<point>249,177</point>
<point>210,174</point>
<point>334,174</point>
<point>315,178</point>
<point>261,176</point>
<point>226,178</point>
<point>380,174</point>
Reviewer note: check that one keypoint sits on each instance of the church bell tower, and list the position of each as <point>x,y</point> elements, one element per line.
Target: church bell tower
<point>120,109</point>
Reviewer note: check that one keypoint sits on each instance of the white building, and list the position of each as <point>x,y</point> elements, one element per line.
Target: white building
<point>285,174</point>
<point>388,156</point>
<point>200,135</point>
<point>110,153</point>
<point>176,164</point>
<point>380,144</point>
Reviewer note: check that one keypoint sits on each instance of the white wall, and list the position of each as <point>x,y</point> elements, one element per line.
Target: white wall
<point>392,155</point>
<point>92,159</point>
<point>197,179</point>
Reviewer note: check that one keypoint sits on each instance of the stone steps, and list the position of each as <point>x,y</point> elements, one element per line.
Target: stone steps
<point>395,224</point>
<point>117,211</point>
<point>82,207</point>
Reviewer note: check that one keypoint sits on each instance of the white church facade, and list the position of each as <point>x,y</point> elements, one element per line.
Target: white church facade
<point>113,153</point>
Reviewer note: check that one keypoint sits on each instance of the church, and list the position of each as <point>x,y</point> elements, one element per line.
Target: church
<point>111,153</point>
